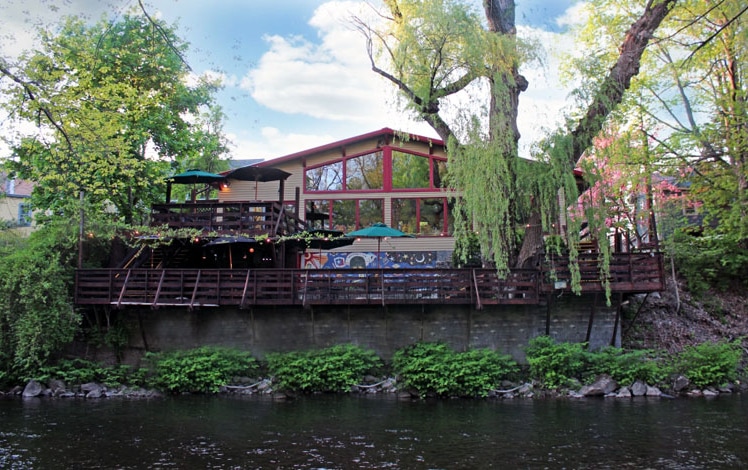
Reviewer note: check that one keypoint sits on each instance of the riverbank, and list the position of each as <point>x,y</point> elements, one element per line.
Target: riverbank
<point>604,386</point>
<point>675,319</point>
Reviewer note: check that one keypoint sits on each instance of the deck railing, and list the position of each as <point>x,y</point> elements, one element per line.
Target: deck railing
<point>244,288</point>
<point>251,218</point>
<point>628,272</point>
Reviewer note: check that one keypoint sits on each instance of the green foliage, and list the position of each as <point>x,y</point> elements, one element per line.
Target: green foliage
<point>709,261</point>
<point>333,369</point>
<point>79,371</point>
<point>37,317</point>
<point>201,370</point>
<point>435,368</point>
<point>467,251</point>
<point>685,91</point>
<point>626,367</point>
<point>422,366</point>
<point>709,363</point>
<point>556,364</point>
<point>103,94</point>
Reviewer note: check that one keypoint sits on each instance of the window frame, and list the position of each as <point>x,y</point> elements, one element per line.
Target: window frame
<point>387,172</point>
<point>419,202</point>
<point>330,204</point>
<point>24,214</point>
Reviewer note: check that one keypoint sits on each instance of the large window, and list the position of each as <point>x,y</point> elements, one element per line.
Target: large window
<point>359,173</point>
<point>416,172</point>
<point>367,172</point>
<point>325,178</point>
<point>345,215</point>
<point>364,172</point>
<point>424,216</point>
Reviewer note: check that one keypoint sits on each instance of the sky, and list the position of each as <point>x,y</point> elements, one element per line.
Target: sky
<point>295,72</point>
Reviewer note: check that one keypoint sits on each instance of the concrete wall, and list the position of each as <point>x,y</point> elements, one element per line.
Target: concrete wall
<point>262,330</point>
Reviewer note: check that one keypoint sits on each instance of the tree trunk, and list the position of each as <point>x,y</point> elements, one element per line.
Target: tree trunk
<point>532,243</point>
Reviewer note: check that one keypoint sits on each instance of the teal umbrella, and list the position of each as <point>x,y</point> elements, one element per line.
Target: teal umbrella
<point>192,177</point>
<point>196,177</point>
<point>378,231</point>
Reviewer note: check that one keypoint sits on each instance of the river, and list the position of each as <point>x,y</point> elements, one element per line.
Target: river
<point>349,432</point>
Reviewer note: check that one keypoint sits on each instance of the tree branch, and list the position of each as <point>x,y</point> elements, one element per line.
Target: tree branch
<point>619,78</point>
<point>32,96</point>
<point>163,34</point>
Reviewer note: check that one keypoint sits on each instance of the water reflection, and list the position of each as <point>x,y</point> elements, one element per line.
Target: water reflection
<point>365,432</point>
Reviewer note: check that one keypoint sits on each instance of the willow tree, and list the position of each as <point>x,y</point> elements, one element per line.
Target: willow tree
<point>112,110</point>
<point>435,50</point>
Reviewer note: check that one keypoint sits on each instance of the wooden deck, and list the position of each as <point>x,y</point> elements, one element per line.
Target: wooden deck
<point>249,218</point>
<point>192,288</point>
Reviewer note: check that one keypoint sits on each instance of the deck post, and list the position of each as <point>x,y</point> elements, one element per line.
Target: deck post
<point>244,292</point>
<point>618,319</point>
<point>124,287</point>
<point>306,284</point>
<point>478,304</point>
<point>194,291</point>
<point>158,290</point>
<point>592,317</point>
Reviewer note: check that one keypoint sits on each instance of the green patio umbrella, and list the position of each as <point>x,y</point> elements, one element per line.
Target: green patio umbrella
<point>378,231</point>
<point>192,176</point>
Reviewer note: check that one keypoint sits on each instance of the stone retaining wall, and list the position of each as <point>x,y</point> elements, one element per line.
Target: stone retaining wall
<point>383,329</point>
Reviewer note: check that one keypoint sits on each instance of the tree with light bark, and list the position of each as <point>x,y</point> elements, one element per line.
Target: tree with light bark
<point>433,50</point>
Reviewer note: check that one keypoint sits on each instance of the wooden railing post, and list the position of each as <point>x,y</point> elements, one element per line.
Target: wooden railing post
<point>158,290</point>
<point>479,305</point>
<point>194,290</point>
<point>124,286</point>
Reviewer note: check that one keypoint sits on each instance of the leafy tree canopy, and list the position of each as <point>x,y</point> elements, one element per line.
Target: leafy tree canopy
<point>688,111</point>
<point>115,113</point>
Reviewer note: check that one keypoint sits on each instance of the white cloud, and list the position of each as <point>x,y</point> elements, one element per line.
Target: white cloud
<point>273,142</point>
<point>574,16</point>
<point>330,79</point>
<point>542,106</point>
<point>20,19</point>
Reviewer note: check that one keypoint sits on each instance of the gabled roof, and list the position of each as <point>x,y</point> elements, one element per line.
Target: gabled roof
<point>385,132</point>
<point>234,164</point>
<point>15,187</point>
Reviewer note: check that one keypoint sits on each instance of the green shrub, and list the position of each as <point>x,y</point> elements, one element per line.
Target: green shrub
<point>557,364</point>
<point>423,367</point>
<point>201,370</point>
<point>478,371</point>
<point>334,369</point>
<point>79,371</point>
<point>37,316</point>
<point>709,261</point>
<point>709,363</point>
<point>436,368</point>
<point>626,367</point>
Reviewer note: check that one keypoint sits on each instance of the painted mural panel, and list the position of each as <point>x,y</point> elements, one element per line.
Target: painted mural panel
<point>368,259</point>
